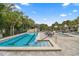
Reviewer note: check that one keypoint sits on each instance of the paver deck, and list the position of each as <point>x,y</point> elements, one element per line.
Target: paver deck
<point>69,45</point>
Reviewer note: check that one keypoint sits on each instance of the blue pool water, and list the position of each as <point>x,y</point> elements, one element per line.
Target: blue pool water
<point>41,44</point>
<point>24,40</point>
<point>21,40</point>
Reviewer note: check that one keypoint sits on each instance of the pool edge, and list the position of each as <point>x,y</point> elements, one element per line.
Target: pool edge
<point>54,48</point>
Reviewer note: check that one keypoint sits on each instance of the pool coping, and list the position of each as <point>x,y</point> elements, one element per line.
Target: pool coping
<point>30,48</point>
<point>54,46</point>
<point>11,36</point>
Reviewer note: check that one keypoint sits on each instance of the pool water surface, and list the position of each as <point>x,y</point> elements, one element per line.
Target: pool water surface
<point>24,40</point>
<point>21,40</point>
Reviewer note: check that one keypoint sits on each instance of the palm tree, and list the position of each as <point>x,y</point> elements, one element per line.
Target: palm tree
<point>4,8</point>
<point>10,16</point>
<point>11,19</point>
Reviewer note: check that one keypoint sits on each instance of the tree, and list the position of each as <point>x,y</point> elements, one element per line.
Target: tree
<point>13,20</point>
<point>3,9</point>
<point>43,27</point>
<point>55,26</point>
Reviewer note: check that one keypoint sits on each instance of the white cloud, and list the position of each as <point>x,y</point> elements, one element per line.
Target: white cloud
<point>65,4</point>
<point>70,13</point>
<point>27,4</point>
<point>18,7</point>
<point>75,10</point>
<point>34,12</point>
<point>63,15</point>
<point>44,18</point>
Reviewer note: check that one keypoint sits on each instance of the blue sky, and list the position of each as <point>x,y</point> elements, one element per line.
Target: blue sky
<point>49,13</point>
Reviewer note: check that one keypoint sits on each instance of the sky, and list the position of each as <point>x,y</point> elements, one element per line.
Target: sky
<point>49,13</point>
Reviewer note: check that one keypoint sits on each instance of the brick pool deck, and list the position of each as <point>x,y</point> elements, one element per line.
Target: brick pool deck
<point>69,45</point>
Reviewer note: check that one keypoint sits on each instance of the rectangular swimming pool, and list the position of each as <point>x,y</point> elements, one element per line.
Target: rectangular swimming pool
<point>27,41</point>
<point>21,40</point>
